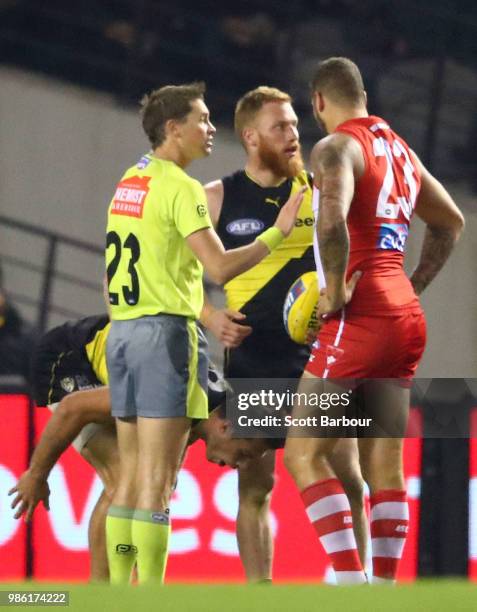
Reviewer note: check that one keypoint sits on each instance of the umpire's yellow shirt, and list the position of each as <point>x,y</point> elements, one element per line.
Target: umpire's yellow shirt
<point>150,267</point>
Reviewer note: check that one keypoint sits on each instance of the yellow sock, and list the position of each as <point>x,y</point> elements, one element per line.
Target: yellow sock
<point>119,545</point>
<point>150,534</point>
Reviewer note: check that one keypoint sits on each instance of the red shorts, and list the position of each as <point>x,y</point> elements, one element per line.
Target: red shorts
<point>369,346</point>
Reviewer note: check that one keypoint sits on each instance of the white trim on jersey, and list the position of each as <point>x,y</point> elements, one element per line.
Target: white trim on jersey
<point>315,205</point>
<point>379,126</point>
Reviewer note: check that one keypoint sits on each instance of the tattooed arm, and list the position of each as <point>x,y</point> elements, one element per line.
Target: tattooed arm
<point>444,223</point>
<point>336,162</point>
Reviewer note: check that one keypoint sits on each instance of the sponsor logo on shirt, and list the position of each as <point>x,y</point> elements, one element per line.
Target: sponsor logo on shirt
<point>130,196</point>
<point>68,384</point>
<point>245,227</point>
<point>201,210</point>
<point>393,236</point>
<point>143,162</point>
<point>274,201</point>
<point>308,221</point>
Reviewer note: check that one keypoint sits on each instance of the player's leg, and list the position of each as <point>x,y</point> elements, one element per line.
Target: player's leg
<point>161,443</point>
<point>254,534</point>
<point>257,357</point>
<point>327,506</point>
<point>101,452</point>
<point>98,558</point>
<point>382,466</point>
<point>345,462</point>
<point>167,398</point>
<point>120,549</point>
<point>158,374</point>
<point>119,543</point>
<point>89,413</point>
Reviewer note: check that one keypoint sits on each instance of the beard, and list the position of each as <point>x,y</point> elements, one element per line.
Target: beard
<point>280,164</point>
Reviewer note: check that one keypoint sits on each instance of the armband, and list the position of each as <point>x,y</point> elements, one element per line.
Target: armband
<point>271,238</point>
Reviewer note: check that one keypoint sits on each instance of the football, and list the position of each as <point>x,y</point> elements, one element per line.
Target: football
<point>299,309</point>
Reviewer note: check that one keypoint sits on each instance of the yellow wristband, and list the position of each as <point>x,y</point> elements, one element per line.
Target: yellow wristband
<point>271,238</point>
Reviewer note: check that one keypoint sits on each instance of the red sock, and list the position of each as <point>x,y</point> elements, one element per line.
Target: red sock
<point>329,511</point>
<point>389,526</point>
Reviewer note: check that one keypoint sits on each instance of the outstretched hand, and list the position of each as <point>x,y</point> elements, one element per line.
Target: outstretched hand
<point>286,218</point>
<point>30,492</point>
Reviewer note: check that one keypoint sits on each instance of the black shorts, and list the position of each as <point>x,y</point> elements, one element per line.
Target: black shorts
<point>60,369</point>
<point>270,355</point>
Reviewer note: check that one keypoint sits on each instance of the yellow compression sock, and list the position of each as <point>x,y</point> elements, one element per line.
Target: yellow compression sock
<point>150,534</point>
<point>119,545</point>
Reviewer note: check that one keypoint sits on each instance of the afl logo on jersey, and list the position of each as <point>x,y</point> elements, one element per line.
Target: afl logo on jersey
<point>245,227</point>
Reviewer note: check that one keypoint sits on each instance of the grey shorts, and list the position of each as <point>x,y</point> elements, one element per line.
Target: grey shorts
<point>157,368</point>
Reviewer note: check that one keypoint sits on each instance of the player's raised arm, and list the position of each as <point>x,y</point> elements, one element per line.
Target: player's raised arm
<point>335,161</point>
<point>444,225</point>
<point>73,413</point>
<point>222,265</point>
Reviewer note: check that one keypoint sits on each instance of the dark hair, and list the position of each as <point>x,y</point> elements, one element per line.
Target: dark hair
<point>169,102</point>
<point>339,79</point>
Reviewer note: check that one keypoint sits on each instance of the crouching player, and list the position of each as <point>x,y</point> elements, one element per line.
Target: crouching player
<point>69,377</point>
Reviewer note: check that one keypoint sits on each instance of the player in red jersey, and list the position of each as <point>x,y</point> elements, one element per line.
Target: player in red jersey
<point>369,183</point>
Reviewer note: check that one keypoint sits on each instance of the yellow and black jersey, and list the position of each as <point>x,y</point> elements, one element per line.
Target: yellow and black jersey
<point>259,293</point>
<point>248,210</point>
<point>71,357</point>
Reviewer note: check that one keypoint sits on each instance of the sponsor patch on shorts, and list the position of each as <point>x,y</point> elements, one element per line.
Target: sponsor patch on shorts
<point>333,353</point>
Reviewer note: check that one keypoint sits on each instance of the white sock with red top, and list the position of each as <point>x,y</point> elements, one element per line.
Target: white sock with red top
<point>329,511</point>
<point>389,527</point>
